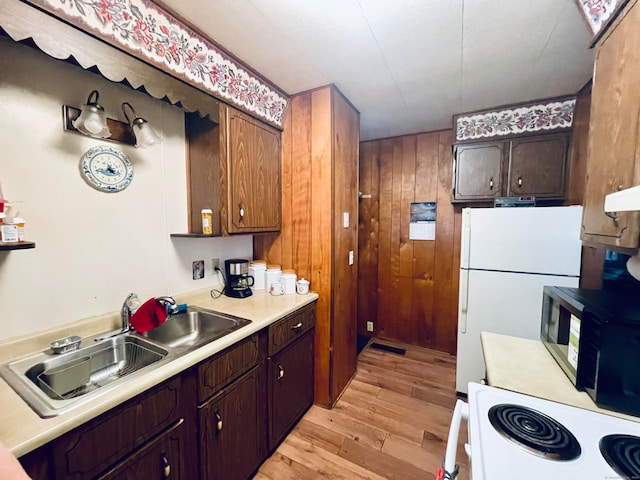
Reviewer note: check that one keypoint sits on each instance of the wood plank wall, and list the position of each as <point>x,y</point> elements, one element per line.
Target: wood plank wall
<point>320,145</point>
<point>408,288</point>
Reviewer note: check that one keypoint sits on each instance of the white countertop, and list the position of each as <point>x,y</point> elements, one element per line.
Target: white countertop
<point>526,366</point>
<point>22,430</point>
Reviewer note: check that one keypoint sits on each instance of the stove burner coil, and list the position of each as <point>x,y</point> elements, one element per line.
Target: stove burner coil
<point>622,453</point>
<point>535,432</point>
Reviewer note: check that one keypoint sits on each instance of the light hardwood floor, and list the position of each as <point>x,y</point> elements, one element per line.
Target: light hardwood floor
<point>391,422</point>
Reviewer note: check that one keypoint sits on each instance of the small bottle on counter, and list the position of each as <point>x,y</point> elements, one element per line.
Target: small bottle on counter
<point>207,221</point>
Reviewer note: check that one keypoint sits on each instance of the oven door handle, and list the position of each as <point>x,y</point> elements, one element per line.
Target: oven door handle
<point>460,412</point>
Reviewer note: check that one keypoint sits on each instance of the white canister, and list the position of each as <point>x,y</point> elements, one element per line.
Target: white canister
<point>257,269</point>
<point>271,275</point>
<point>288,280</point>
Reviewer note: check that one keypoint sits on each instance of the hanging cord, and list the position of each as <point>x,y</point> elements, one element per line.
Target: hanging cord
<point>218,293</point>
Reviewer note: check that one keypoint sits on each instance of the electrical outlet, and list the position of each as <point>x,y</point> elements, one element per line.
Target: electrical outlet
<point>215,263</point>
<point>369,326</point>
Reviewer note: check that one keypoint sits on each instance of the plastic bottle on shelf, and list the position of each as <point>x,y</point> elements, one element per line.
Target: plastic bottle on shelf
<point>207,221</point>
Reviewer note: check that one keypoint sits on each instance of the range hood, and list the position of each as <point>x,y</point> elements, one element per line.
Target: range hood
<point>624,200</point>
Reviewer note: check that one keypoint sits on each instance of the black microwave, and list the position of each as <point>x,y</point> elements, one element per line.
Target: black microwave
<point>594,335</point>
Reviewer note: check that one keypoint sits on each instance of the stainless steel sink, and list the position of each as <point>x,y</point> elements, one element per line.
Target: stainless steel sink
<point>194,328</point>
<point>53,384</point>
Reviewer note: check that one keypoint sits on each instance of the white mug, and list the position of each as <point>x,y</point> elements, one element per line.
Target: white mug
<point>276,288</point>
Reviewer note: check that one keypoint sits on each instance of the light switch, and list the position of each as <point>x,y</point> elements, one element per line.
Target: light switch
<point>350,257</point>
<point>345,219</point>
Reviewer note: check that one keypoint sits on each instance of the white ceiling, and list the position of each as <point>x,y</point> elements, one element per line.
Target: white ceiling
<point>406,65</point>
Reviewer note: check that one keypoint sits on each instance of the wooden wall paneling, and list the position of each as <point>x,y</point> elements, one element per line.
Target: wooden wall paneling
<point>407,181</point>
<point>302,185</point>
<point>426,185</point>
<point>286,238</point>
<point>404,325</point>
<point>368,237</point>
<point>386,280</point>
<point>345,276</point>
<point>396,205</point>
<point>321,238</point>
<point>445,319</point>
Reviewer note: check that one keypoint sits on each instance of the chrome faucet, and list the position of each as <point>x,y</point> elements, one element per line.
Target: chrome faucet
<point>129,306</point>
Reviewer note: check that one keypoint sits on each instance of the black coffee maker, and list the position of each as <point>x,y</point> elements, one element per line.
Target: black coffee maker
<point>238,280</point>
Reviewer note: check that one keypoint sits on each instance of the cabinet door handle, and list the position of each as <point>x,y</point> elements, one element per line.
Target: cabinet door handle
<point>166,466</point>
<point>241,207</point>
<point>297,326</point>
<point>520,181</point>
<point>280,372</point>
<point>491,183</point>
<point>219,420</point>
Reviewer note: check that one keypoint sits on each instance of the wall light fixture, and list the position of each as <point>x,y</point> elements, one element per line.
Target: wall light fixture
<point>144,133</point>
<point>93,119</point>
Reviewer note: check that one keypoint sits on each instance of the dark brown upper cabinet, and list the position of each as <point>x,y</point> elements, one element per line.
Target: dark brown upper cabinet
<point>233,169</point>
<point>533,165</point>
<point>613,159</point>
<point>250,162</point>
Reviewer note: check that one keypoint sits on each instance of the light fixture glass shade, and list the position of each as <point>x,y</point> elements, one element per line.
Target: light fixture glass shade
<point>145,134</point>
<point>93,119</point>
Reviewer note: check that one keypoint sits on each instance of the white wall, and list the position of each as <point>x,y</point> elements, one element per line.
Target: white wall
<point>92,248</point>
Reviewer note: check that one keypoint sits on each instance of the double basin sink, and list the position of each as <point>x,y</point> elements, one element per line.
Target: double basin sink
<point>53,384</point>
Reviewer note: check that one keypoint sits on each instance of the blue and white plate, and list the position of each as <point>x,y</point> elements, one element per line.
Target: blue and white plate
<point>106,169</point>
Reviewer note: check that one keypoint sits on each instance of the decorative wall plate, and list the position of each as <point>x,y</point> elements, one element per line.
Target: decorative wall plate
<point>106,169</point>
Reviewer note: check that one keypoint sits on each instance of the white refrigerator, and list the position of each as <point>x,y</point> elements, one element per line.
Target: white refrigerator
<point>507,256</point>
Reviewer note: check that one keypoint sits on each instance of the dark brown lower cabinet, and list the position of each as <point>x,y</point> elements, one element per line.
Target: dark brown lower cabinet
<point>290,386</point>
<point>162,458</point>
<point>229,425</point>
<point>215,421</point>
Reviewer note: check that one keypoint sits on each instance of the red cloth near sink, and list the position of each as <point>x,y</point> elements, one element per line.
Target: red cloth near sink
<point>150,315</point>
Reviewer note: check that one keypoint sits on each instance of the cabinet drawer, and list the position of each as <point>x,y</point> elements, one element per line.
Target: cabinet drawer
<point>91,448</point>
<point>226,367</point>
<point>290,327</point>
<point>162,457</point>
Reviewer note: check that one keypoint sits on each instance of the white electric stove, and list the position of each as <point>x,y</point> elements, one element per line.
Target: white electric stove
<point>512,435</point>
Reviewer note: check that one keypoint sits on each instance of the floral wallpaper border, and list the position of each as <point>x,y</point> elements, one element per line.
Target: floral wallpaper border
<point>148,32</point>
<point>530,118</point>
<point>598,12</point>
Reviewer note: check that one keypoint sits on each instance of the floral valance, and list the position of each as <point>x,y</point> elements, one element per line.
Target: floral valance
<point>536,117</point>
<point>146,31</point>
<point>599,13</point>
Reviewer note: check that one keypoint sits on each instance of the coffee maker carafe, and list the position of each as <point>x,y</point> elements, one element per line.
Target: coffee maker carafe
<point>237,277</point>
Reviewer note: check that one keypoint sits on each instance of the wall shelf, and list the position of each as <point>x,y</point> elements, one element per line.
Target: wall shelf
<point>193,235</point>
<point>16,245</point>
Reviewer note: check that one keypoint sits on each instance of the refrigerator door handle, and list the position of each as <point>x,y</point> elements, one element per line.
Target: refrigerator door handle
<point>464,301</point>
<point>465,250</point>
